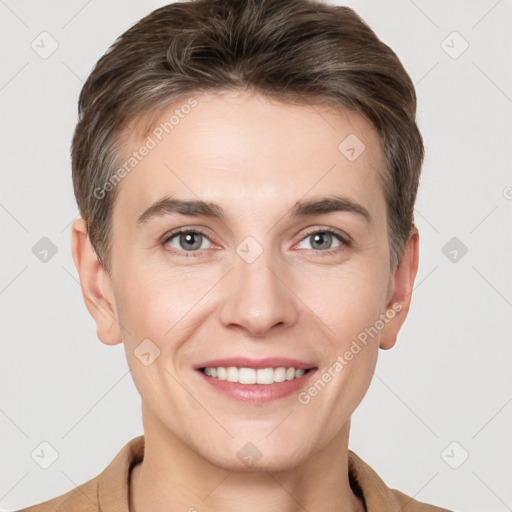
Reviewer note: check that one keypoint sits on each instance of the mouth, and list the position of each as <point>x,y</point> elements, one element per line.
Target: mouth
<point>256,381</point>
<point>246,375</point>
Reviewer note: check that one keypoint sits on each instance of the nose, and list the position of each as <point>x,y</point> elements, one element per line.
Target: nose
<point>259,297</point>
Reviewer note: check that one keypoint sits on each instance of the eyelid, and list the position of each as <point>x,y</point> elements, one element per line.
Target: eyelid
<point>345,237</point>
<point>189,229</point>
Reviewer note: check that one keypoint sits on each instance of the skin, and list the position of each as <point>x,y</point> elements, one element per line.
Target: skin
<point>255,157</point>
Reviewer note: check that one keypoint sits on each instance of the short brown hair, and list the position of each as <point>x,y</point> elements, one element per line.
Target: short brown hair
<point>292,50</point>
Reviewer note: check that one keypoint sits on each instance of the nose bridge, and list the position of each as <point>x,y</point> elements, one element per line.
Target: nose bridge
<point>257,298</point>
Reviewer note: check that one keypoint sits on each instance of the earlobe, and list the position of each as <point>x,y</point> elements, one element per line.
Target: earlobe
<point>96,285</point>
<point>402,284</point>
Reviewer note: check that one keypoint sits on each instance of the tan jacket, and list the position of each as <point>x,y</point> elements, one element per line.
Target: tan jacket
<point>108,492</point>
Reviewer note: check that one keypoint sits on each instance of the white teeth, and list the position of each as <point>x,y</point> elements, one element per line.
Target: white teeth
<point>232,374</point>
<point>254,376</point>
<point>265,376</point>
<point>247,376</point>
<point>280,374</point>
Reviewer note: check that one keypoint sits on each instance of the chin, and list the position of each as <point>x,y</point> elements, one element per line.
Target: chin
<point>255,457</point>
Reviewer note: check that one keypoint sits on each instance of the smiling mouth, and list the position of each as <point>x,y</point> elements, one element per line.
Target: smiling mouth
<point>254,376</point>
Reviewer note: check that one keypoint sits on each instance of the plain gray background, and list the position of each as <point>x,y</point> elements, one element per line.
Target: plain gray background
<point>442,394</point>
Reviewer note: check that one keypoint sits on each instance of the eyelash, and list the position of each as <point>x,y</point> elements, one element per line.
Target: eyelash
<point>194,254</point>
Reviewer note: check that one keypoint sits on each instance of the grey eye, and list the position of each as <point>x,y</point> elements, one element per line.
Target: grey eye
<point>187,241</point>
<point>322,240</point>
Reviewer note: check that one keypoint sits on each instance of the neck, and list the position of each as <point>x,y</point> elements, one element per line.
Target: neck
<point>173,477</point>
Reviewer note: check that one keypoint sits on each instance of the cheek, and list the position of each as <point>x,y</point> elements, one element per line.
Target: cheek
<point>156,303</point>
<point>347,302</point>
<point>349,305</point>
<point>152,309</point>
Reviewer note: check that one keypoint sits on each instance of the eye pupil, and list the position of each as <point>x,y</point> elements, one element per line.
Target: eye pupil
<point>323,238</point>
<point>188,239</point>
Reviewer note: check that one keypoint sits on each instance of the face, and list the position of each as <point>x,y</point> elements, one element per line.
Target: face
<point>248,237</point>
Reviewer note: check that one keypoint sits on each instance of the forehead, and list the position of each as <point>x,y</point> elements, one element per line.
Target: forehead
<point>245,150</point>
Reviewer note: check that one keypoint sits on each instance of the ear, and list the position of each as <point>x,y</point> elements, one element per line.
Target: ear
<point>400,293</point>
<point>96,285</point>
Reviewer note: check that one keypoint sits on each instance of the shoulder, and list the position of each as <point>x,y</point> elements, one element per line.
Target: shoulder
<point>107,491</point>
<point>83,498</point>
<point>377,496</point>
<point>407,504</point>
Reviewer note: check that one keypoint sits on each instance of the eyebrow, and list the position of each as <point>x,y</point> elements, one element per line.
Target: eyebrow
<point>302,208</point>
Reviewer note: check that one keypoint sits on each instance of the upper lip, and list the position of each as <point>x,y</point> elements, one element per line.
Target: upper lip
<point>246,362</point>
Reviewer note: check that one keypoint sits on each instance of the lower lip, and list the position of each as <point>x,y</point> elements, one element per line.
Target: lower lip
<point>258,393</point>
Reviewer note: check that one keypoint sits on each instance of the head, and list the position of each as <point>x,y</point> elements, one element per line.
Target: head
<point>282,137</point>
